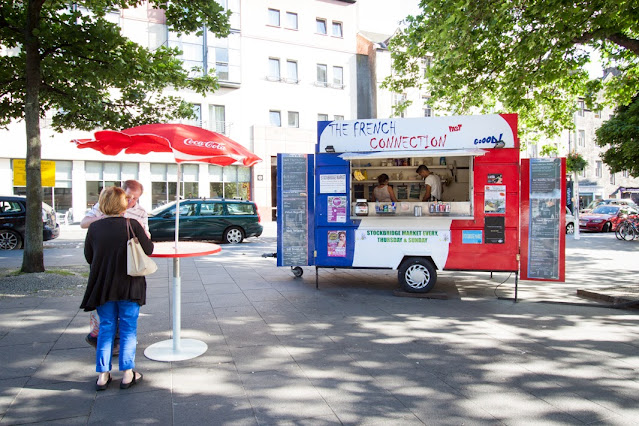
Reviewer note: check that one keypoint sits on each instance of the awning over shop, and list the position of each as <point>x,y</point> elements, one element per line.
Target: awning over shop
<point>413,154</point>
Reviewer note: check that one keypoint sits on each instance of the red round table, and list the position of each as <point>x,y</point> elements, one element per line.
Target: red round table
<point>177,349</point>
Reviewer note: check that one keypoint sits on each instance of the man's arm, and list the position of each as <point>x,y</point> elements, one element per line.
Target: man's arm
<point>427,193</point>
<point>91,216</point>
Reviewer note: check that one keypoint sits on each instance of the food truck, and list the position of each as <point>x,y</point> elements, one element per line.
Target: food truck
<point>495,213</point>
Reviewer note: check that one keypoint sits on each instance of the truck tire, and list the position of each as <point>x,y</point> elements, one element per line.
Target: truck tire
<point>417,275</point>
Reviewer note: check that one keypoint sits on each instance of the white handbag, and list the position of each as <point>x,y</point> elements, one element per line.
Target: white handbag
<point>138,263</point>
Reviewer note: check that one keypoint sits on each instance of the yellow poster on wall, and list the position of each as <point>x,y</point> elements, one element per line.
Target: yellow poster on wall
<point>47,171</point>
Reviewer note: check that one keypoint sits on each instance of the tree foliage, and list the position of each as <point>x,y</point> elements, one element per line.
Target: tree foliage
<point>68,58</point>
<point>621,135</point>
<point>518,56</point>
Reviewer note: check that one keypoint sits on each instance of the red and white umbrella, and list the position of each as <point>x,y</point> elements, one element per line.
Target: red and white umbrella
<point>189,144</point>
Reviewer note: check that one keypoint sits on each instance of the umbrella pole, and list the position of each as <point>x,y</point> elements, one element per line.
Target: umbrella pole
<point>177,280</point>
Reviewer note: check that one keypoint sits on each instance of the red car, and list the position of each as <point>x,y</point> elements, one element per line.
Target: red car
<point>605,218</point>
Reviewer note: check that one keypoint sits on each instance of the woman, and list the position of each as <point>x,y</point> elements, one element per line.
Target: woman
<point>383,192</point>
<point>116,295</point>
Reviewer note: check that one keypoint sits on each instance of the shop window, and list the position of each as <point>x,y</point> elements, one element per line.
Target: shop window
<point>230,182</point>
<point>101,175</point>
<point>164,182</point>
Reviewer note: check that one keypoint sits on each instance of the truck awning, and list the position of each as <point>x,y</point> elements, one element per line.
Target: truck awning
<point>411,154</point>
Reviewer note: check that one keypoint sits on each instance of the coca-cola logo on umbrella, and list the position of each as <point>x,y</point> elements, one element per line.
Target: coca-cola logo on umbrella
<point>207,144</point>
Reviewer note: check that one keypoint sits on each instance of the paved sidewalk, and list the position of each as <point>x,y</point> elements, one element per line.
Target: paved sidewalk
<point>282,352</point>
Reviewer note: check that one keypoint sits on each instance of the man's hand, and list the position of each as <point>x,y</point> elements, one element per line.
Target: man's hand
<point>88,220</point>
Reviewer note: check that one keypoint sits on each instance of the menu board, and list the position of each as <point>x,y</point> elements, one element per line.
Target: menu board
<point>294,210</point>
<point>545,208</point>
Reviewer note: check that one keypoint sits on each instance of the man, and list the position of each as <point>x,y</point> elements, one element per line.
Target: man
<point>133,190</point>
<point>432,182</point>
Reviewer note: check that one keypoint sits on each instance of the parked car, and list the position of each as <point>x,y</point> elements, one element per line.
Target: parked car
<point>13,212</point>
<point>605,218</point>
<point>207,219</point>
<point>571,222</point>
<point>613,201</point>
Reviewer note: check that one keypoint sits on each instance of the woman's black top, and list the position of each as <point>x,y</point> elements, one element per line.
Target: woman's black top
<point>105,250</point>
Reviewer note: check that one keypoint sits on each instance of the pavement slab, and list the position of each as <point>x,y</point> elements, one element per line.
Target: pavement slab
<point>282,352</point>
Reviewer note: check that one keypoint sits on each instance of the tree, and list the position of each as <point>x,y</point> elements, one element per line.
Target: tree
<point>518,56</point>
<point>621,134</point>
<point>67,58</point>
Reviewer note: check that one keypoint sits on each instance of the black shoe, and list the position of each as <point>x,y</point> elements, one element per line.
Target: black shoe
<point>91,340</point>
<point>132,382</point>
<point>104,386</point>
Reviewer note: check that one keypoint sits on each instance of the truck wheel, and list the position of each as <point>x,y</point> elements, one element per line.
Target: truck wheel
<point>297,271</point>
<point>417,275</point>
<point>9,240</point>
<point>233,235</point>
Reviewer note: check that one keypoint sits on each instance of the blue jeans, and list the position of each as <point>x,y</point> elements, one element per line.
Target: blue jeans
<point>127,313</point>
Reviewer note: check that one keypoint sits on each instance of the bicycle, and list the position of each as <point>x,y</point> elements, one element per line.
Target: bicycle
<point>627,230</point>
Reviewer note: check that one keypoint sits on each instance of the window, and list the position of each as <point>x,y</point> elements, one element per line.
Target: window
<point>399,100</point>
<point>625,173</point>
<point>581,108</point>
<point>217,118</point>
<point>240,209</point>
<point>598,169</point>
<point>322,75</point>
<point>291,20</point>
<point>612,178</point>
<point>196,120</point>
<point>321,26</point>
<point>291,72</point>
<point>100,175</point>
<point>221,63</point>
<point>275,118</point>
<point>322,117</point>
<point>338,77</point>
<point>427,109</point>
<point>598,113</point>
<point>581,138</point>
<point>164,182</point>
<point>230,182</point>
<point>293,119</point>
<point>274,17</point>
<point>211,209</point>
<point>273,69</point>
<point>426,63</point>
<point>338,118</point>
<point>337,29</point>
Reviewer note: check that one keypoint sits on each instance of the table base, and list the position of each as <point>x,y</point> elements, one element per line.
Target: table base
<point>163,351</point>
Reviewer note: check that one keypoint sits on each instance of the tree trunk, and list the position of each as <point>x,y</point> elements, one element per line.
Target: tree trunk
<point>33,257</point>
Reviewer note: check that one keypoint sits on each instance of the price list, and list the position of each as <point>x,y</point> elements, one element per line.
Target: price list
<point>294,210</point>
<point>545,208</point>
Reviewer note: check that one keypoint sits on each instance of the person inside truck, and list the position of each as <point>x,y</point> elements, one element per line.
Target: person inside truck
<point>383,192</point>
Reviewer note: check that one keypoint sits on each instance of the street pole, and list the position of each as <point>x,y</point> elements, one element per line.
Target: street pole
<point>576,191</point>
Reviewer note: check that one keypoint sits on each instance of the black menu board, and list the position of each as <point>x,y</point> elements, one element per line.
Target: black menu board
<point>294,210</point>
<point>545,208</point>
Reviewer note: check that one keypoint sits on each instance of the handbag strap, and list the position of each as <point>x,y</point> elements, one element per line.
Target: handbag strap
<point>129,230</point>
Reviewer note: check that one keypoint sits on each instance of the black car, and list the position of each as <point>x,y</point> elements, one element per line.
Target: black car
<point>207,219</point>
<point>13,211</point>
